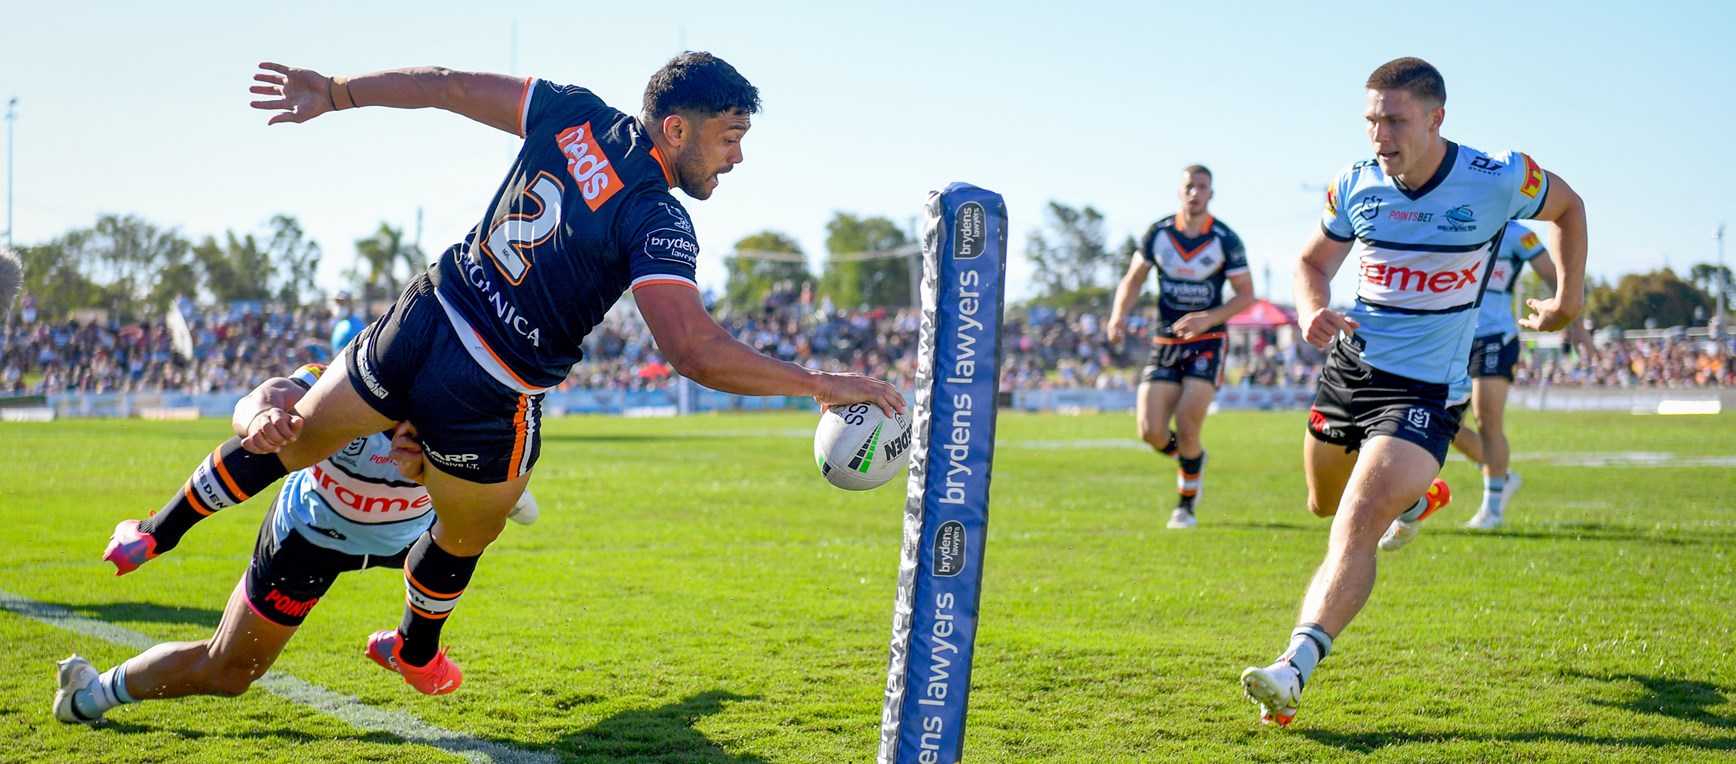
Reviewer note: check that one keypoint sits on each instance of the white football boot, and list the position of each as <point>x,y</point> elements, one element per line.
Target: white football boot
<point>525,511</point>
<point>1278,690</point>
<point>74,674</point>
<point>1489,518</point>
<point>1400,532</point>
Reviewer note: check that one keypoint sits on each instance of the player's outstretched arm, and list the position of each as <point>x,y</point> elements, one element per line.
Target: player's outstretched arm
<point>1314,272</point>
<point>298,95</point>
<point>1567,249</point>
<point>1126,294</point>
<point>262,418</point>
<point>702,351</point>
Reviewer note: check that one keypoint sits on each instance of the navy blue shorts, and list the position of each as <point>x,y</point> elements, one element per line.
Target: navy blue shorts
<point>288,576</point>
<point>1173,360</point>
<point>1490,357</point>
<point>409,365</point>
<point>1356,402</point>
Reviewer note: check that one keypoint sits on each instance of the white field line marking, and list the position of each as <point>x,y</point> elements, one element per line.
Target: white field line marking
<point>343,707</point>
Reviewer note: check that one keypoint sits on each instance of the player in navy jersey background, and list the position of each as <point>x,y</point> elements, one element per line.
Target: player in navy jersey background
<point>466,353</point>
<point>1193,255</point>
<point>1425,219</point>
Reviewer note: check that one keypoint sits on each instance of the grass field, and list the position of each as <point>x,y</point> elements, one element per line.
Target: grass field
<point>694,592</point>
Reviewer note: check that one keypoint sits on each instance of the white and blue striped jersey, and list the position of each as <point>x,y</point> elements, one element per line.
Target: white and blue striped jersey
<point>355,502</point>
<point>1520,245</point>
<point>1423,255</point>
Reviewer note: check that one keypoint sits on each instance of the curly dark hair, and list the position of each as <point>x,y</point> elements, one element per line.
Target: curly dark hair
<point>698,82</point>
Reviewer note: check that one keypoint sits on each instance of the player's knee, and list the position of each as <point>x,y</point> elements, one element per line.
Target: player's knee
<point>1321,509</point>
<point>1158,437</point>
<point>231,680</point>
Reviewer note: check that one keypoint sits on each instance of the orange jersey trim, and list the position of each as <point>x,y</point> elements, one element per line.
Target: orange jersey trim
<point>1180,341</point>
<point>682,282</point>
<point>668,177</point>
<point>496,357</point>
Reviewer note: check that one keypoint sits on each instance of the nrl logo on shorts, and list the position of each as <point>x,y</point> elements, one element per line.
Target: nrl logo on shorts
<point>1419,418</point>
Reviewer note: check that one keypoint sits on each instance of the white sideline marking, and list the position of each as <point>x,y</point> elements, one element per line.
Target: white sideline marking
<point>344,707</point>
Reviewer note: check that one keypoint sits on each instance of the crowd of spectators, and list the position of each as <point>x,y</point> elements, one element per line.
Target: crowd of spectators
<point>225,350</point>
<point>235,348</point>
<point>1667,361</point>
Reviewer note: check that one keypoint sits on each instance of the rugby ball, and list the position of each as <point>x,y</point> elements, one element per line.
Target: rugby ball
<point>858,447</point>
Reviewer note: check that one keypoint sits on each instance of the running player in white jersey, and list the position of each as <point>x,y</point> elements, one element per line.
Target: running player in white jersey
<point>1193,255</point>
<point>1424,219</point>
<point>1494,353</point>
<point>361,508</point>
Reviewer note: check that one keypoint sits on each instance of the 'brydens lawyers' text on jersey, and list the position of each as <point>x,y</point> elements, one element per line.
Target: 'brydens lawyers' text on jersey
<point>584,215</point>
<point>1191,271</point>
<point>1520,245</point>
<point>1423,255</point>
<point>356,502</point>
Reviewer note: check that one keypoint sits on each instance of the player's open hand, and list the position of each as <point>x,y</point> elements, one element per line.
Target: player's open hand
<point>1116,330</point>
<point>407,452</point>
<point>1319,327</point>
<point>297,95</point>
<point>1547,315</point>
<point>845,389</point>
<point>270,430</point>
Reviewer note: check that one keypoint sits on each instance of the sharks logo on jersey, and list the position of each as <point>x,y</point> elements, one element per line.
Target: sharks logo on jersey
<point>1423,255</point>
<point>1191,270</point>
<point>1519,245</point>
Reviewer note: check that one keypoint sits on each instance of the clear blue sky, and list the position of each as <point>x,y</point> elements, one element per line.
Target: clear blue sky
<point>142,109</point>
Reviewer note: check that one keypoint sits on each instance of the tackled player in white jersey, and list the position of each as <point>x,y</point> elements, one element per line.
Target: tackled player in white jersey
<point>361,508</point>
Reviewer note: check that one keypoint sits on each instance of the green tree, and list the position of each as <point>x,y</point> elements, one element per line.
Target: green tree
<point>237,269</point>
<point>861,268</point>
<point>296,258</point>
<point>378,259</point>
<point>128,256</point>
<point>55,280</point>
<point>761,261</point>
<point>1071,260</point>
<point>1658,298</point>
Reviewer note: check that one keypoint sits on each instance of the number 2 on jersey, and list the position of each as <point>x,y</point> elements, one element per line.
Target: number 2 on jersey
<point>537,218</point>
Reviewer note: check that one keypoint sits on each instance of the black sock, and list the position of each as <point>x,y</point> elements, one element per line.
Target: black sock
<point>434,579</point>
<point>226,478</point>
<point>1170,448</point>
<point>1188,478</point>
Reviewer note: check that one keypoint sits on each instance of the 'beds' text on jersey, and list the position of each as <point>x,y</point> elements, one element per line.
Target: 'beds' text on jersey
<point>1423,256</point>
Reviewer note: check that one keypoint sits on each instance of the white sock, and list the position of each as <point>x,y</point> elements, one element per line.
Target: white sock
<point>108,691</point>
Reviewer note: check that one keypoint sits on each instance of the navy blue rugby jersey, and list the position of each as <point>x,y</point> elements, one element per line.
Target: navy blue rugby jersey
<point>584,215</point>
<point>1191,271</point>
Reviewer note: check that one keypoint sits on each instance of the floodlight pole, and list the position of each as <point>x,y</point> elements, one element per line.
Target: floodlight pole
<point>11,116</point>
<point>1723,280</point>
